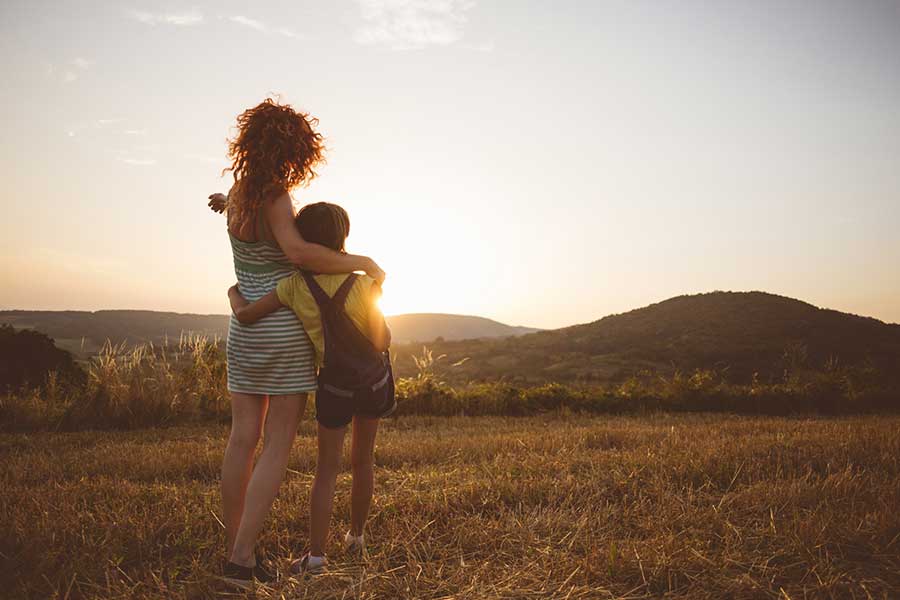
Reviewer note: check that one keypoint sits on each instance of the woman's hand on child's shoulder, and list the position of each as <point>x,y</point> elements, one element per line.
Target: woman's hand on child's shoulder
<point>375,272</point>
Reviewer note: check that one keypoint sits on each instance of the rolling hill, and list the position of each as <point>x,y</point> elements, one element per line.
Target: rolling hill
<point>738,333</point>
<point>83,333</point>
<point>425,327</point>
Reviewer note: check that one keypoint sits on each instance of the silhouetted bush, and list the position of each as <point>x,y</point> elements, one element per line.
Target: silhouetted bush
<point>27,357</point>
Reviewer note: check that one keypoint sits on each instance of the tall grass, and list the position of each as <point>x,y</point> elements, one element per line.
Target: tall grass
<point>127,388</point>
<point>177,383</point>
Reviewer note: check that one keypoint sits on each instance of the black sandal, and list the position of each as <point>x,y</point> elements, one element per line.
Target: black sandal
<point>243,577</point>
<point>238,575</point>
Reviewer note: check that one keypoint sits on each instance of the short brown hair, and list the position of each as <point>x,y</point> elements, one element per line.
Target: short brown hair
<point>324,224</point>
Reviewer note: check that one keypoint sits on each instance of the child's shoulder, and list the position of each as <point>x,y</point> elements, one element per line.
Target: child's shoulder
<point>328,279</point>
<point>329,282</point>
<point>294,278</point>
<point>288,287</point>
<point>365,281</point>
<point>367,286</point>
<point>339,278</point>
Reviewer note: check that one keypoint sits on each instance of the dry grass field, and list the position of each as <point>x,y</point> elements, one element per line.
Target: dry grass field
<point>688,506</point>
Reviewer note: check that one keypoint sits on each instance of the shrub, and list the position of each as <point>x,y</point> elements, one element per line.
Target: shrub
<point>27,357</point>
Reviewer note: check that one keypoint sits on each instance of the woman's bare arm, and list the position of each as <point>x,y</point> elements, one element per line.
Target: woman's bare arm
<point>314,257</point>
<point>251,312</point>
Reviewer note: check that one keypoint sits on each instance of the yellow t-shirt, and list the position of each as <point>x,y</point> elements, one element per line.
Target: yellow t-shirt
<point>294,293</point>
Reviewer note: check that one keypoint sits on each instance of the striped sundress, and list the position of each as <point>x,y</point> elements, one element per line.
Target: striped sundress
<point>274,355</point>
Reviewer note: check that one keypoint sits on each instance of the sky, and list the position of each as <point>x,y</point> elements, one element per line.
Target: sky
<point>538,163</point>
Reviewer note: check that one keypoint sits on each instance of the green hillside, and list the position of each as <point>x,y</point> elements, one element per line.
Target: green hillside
<point>738,333</point>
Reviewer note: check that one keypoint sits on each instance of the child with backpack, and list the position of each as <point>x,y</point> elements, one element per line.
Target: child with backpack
<point>355,382</point>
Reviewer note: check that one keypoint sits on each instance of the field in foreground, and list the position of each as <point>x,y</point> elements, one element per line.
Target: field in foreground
<point>688,506</point>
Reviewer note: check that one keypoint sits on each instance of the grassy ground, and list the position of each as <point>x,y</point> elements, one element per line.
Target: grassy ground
<point>689,506</point>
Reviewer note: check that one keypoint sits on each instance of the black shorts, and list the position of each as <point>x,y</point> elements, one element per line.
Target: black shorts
<point>335,408</point>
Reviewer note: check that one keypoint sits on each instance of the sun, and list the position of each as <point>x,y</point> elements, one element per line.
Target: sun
<point>397,297</point>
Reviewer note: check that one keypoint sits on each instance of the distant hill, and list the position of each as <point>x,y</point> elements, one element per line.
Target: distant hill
<point>740,333</point>
<point>83,333</point>
<point>425,327</point>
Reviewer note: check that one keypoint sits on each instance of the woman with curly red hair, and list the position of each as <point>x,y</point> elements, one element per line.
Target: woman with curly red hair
<point>271,363</point>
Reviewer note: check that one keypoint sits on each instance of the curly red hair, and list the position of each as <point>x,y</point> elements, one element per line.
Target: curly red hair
<point>275,150</point>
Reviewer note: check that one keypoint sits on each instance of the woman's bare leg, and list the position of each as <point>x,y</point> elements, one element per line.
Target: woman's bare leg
<point>248,413</point>
<point>321,497</point>
<point>362,461</point>
<point>280,430</point>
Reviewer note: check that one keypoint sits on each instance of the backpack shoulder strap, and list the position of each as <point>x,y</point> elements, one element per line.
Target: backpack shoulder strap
<point>340,296</point>
<point>318,294</point>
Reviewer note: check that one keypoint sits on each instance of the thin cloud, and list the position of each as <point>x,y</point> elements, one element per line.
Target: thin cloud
<point>135,132</point>
<point>288,33</point>
<point>248,22</point>
<point>105,122</point>
<point>262,27</point>
<point>412,24</point>
<point>182,19</point>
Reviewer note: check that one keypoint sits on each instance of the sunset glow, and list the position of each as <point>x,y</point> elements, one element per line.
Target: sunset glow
<point>537,163</point>
<point>406,299</point>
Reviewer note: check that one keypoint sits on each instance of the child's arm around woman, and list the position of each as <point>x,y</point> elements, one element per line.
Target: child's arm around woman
<point>248,313</point>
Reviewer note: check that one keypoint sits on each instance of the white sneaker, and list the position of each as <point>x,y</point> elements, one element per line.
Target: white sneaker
<point>354,544</point>
<point>309,565</point>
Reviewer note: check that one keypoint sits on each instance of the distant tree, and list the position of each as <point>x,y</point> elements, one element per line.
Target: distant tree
<point>27,356</point>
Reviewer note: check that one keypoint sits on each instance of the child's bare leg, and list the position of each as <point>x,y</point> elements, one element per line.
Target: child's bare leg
<point>362,461</point>
<point>321,497</point>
